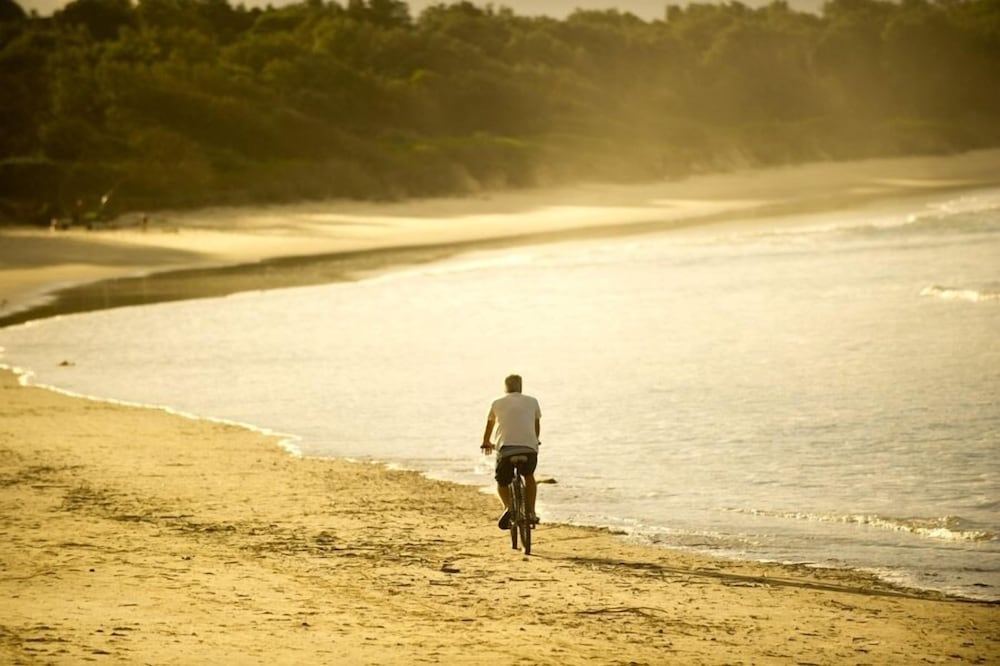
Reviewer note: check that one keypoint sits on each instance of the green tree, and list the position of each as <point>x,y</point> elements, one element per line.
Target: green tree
<point>183,102</point>
<point>11,11</point>
<point>102,18</point>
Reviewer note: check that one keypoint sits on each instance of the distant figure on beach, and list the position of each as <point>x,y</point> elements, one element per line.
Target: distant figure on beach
<point>515,420</point>
<point>77,214</point>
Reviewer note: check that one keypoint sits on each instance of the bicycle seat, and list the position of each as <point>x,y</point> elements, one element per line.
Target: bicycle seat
<point>519,458</point>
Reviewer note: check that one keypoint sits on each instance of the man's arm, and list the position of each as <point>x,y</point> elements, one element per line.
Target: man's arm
<point>487,445</point>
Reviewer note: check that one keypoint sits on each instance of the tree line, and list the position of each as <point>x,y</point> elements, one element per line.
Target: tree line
<point>116,105</point>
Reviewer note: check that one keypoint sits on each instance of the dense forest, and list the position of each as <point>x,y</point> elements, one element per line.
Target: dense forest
<point>115,105</point>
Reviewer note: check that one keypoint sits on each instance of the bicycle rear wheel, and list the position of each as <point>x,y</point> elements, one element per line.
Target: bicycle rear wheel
<point>522,521</point>
<point>516,504</point>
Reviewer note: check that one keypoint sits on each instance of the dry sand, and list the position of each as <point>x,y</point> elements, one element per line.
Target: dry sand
<point>133,535</point>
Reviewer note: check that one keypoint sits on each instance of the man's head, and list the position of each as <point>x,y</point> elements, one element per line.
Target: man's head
<point>513,383</point>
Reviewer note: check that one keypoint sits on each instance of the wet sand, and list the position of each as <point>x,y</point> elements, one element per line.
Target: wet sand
<point>132,535</point>
<point>214,252</point>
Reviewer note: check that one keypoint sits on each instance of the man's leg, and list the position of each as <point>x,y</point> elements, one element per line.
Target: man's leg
<point>530,492</point>
<point>503,476</point>
<point>503,491</point>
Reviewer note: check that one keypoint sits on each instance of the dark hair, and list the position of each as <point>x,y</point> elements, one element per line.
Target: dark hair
<point>513,383</point>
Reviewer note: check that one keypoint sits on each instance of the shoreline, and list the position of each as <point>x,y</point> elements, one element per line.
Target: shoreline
<point>286,442</point>
<point>48,273</point>
<point>140,535</point>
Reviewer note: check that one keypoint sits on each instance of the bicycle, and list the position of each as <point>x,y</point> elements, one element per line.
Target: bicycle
<point>520,521</point>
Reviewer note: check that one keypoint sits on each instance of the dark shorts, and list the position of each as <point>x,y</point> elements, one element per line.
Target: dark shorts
<point>505,469</point>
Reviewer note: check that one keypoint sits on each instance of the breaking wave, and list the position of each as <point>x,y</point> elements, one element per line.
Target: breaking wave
<point>960,293</point>
<point>971,215</point>
<point>947,528</point>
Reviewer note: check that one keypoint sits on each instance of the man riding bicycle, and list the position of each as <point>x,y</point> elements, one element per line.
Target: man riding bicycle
<point>517,420</point>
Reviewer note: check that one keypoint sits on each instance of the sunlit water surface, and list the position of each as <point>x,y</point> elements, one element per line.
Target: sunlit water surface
<point>825,391</point>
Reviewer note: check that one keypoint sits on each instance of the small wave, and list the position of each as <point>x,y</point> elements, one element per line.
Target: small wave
<point>983,202</point>
<point>974,214</point>
<point>960,294</point>
<point>965,215</point>
<point>948,528</point>
<point>968,213</point>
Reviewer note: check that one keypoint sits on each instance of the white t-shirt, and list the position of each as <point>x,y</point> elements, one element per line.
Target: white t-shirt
<point>515,415</point>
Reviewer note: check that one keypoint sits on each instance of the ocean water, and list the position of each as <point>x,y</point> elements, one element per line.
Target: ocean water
<point>822,389</point>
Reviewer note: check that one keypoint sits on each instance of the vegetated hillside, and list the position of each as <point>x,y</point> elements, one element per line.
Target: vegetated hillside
<point>166,103</point>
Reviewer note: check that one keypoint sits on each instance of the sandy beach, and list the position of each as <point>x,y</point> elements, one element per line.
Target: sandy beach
<point>134,535</point>
<point>138,536</point>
